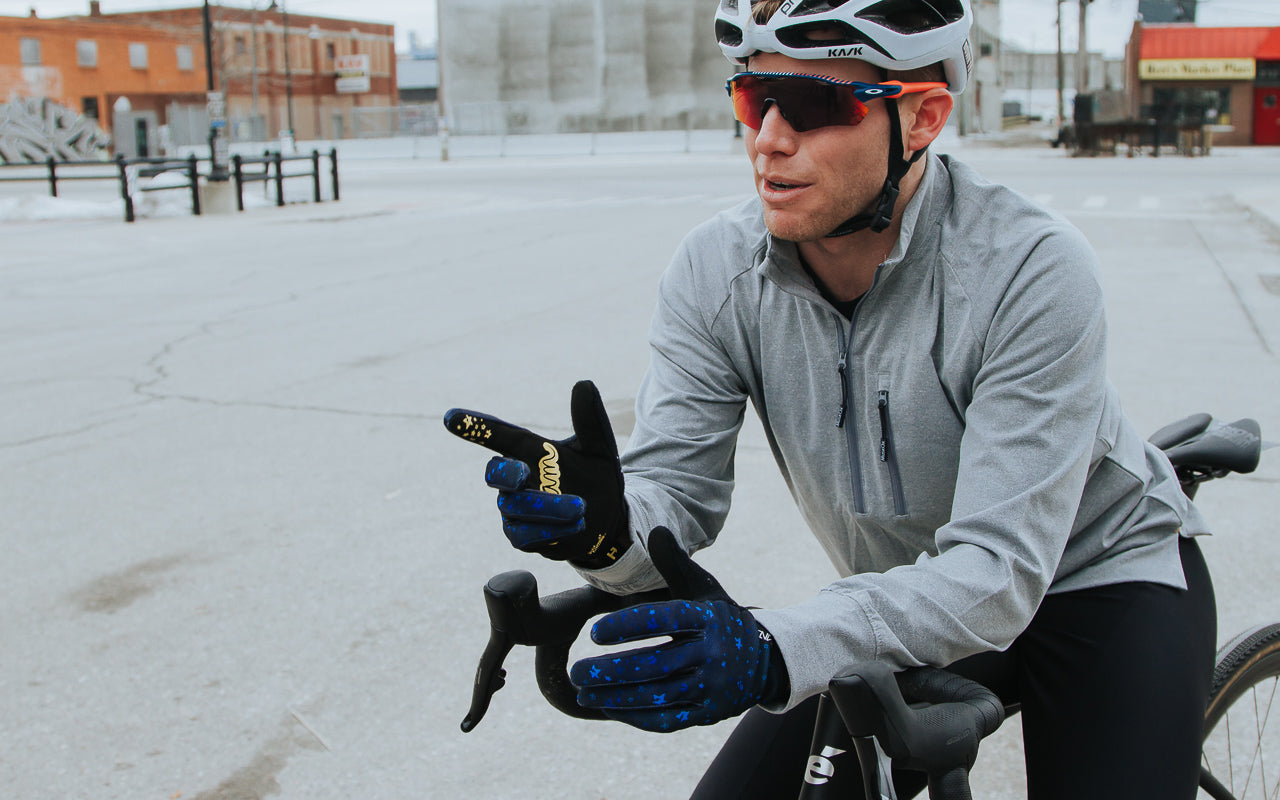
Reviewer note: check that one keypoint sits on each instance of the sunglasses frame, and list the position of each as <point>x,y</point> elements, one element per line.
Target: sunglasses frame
<point>862,92</point>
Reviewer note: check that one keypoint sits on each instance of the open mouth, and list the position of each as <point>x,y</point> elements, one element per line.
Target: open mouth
<point>782,186</point>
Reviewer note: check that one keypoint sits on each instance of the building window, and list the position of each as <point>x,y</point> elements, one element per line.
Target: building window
<point>186,61</point>
<point>30,52</point>
<point>90,107</point>
<point>1193,106</point>
<point>240,46</point>
<point>87,53</point>
<point>330,52</point>
<point>137,55</point>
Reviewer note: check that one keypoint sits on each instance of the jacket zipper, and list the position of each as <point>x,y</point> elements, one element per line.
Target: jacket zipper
<point>842,416</point>
<point>889,456</point>
<point>844,392</point>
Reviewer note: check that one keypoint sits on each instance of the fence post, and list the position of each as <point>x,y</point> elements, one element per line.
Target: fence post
<point>315,174</point>
<point>333,170</point>
<point>53,176</point>
<point>237,173</point>
<point>278,159</point>
<point>124,189</point>
<point>193,175</point>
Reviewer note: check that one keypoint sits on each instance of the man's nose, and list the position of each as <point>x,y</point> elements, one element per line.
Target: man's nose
<point>775,132</point>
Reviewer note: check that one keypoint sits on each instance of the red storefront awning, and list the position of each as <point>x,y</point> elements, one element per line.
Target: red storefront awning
<point>1269,50</point>
<point>1189,41</point>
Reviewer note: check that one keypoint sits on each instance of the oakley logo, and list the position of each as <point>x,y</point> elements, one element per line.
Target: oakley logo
<point>820,767</point>
<point>549,470</point>
<point>787,6</point>
<point>844,52</point>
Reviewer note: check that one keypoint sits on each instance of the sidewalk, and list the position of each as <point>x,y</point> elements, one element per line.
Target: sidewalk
<point>244,559</point>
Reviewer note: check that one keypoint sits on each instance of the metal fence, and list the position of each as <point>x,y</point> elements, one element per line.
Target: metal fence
<point>124,171</point>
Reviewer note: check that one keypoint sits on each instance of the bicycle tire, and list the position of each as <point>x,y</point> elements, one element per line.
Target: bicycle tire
<point>1241,742</point>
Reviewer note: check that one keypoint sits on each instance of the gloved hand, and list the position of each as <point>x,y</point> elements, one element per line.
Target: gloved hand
<point>574,509</point>
<point>718,664</point>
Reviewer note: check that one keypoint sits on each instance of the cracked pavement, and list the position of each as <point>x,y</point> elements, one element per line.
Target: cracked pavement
<point>242,557</point>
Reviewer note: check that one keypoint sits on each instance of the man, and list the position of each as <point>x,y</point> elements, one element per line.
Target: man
<point>926,351</point>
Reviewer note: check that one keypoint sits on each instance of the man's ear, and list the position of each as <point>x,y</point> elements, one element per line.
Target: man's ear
<point>930,117</point>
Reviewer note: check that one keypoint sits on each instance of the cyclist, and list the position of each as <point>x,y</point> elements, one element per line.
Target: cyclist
<point>926,351</point>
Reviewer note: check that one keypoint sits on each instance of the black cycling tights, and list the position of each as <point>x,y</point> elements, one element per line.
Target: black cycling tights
<point>1113,684</point>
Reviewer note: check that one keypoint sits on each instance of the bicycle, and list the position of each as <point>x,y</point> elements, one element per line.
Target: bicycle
<point>929,720</point>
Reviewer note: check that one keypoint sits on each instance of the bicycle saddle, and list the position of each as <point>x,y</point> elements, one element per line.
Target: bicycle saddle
<point>1197,443</point>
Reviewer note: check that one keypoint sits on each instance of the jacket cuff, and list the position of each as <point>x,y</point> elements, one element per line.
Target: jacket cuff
<point>631,574</point>
<point>818,639</point>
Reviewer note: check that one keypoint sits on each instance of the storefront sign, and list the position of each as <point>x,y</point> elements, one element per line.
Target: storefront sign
<point>1197,69</point>
<point>353,73</point>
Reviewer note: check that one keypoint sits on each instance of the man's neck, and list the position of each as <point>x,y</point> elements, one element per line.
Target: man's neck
<point>846,265</point>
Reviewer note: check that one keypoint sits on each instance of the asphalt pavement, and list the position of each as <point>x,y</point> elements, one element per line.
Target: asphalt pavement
<point>243,558</point>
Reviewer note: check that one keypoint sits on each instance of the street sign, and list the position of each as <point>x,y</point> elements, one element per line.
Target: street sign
<point>217,107</point>
<point>352,73</point>
<point>219,155</point>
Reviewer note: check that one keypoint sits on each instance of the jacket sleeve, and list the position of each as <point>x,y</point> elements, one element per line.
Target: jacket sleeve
<point>1030,426</point>
<point>678,464</point>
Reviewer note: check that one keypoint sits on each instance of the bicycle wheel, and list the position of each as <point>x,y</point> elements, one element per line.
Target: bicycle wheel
<point>1241,751</point>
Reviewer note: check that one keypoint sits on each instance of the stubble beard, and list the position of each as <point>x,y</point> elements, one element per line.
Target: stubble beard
<point>797,227</point>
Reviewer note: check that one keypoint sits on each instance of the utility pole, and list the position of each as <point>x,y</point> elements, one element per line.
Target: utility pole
<point>253,45</point>
<point>217,106</point>
<point>442,107</point>
<point>288,73</point>
<point>1082,53</point>
<point>1062,107</point>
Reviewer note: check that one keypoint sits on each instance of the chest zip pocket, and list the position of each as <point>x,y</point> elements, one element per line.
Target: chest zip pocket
<point>888,456</point>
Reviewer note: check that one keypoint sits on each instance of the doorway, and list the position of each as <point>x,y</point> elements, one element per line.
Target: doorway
<point>1266,115</point>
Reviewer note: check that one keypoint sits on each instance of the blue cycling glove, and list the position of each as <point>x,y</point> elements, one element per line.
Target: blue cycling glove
<point>562,499</point>
<point>718,664</point>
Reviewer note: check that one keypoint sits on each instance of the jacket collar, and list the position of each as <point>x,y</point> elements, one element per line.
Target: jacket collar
<point>780,259</point>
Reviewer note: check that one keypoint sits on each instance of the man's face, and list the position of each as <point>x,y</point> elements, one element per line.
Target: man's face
<point>811,182</point>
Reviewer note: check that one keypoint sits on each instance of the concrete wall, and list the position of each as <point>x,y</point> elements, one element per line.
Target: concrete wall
<point>552,66</point>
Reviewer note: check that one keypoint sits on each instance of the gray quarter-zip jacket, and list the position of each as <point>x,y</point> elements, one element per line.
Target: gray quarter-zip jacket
<point>957,448</point>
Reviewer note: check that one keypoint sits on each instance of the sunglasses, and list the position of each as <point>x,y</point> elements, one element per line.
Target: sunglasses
<point>808,102</point>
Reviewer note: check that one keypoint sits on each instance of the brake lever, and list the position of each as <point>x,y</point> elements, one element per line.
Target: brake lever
<point>550,625</point>
<point>504,595</point>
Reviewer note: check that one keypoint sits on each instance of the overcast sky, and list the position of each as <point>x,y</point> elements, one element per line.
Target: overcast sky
<point>1027,23</point>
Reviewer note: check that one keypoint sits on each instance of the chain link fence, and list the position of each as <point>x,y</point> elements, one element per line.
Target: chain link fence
<point>388,121</point>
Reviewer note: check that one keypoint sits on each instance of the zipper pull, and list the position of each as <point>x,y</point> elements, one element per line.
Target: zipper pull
<point>883,405</point>
<point>844,393</point>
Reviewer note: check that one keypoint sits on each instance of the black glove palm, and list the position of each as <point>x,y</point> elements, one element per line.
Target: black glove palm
<point>562,499</point>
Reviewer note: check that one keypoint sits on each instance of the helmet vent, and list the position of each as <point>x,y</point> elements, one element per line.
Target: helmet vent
<point>728,34</point>
<point>824,34</point>
<point>815,7</point>
<point>730,6</point>
<point>913,16</point>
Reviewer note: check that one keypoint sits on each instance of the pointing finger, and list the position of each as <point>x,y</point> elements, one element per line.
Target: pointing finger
<point>501,437</point>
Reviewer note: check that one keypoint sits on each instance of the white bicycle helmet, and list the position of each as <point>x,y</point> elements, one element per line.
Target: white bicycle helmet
<point>890,34</point>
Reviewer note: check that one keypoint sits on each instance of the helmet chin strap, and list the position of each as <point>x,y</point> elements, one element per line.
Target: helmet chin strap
<point>882,217</point>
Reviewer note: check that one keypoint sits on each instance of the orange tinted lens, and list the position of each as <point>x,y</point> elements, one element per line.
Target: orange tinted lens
<point>748,100</point>
<point>805,103</point>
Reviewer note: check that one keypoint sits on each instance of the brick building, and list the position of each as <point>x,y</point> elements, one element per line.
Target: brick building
<point>88,63</point>
<point>1228,78</point>
<point>277,70</point>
